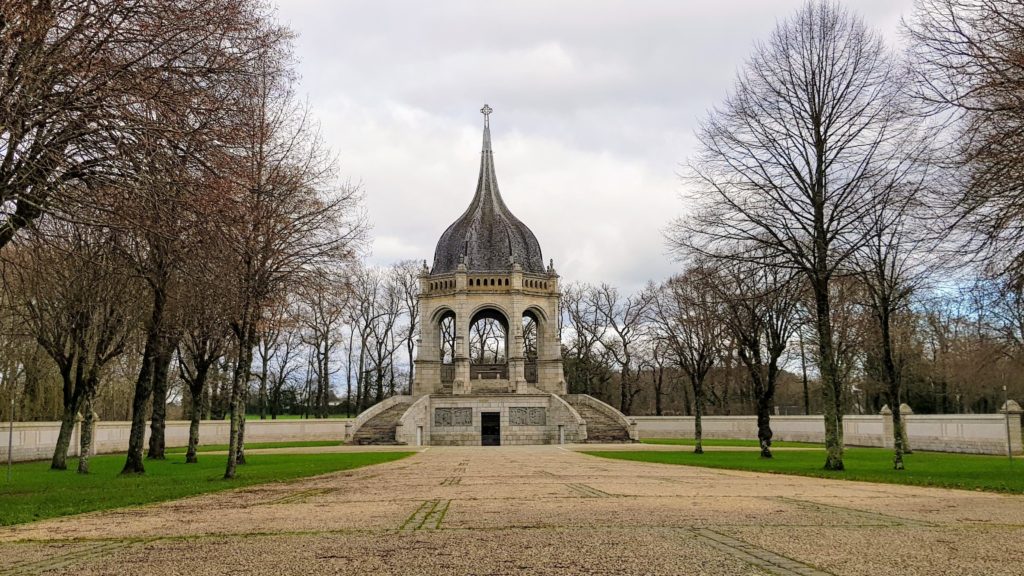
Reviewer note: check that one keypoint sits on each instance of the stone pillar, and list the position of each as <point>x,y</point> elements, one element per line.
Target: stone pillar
<point>92,432</point>
<point>887,432</point>
<point>461,384</point>
<point>1013,413</point>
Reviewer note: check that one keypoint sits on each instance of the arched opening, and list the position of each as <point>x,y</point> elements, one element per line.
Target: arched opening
<point>446,332</point>
<point>531,345</point>
<point>488,345</point>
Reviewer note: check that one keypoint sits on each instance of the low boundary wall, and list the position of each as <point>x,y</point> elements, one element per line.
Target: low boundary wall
<point>970,433</point>
<point>36,440</point>
<point>966,433</point>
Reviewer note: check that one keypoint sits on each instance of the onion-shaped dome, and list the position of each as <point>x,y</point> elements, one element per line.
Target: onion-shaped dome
<point>487,237</point>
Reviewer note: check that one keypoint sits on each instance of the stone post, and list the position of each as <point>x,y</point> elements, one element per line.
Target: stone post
<point>75,446</point>
<point>887,436</point>
<point>1013,412</point>
<point>905,411</point>
<point>92,433</point>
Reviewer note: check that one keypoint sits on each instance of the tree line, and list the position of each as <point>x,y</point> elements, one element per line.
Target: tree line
<point>173,228</point>
<point>163,190</point>
<point>865,177</point>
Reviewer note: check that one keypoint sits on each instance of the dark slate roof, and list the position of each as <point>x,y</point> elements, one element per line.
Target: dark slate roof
<point>487,233</point>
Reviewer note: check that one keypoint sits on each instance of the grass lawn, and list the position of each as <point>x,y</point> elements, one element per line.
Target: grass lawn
<point>36,492</point>
<point>966,471</point>
<point>727,442</point>
<point>256,445</point>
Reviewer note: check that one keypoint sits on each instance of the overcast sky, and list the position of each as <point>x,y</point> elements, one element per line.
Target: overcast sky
<point>595,105</point>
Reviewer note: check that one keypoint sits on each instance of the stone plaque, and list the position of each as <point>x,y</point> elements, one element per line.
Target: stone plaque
<point>442,417</point>
<point>527,416</point>
<point>453,417</point>
<point>462,417</point>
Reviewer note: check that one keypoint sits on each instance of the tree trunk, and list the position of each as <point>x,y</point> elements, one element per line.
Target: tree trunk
<point>658,391</point>
<point>158,421</point>
<point>831,386</point>
<point>67,425</point>
<point>698,413</point>
<point>803,371</point>
<point>144,387</point>
<point>193,436</point>
<point>88,424</point>
<point>239,379</point>
<point>197,389</point>
<point>240,459</point>
<point>263,386</point>
<point>764,428</point>
<point>893,383</point>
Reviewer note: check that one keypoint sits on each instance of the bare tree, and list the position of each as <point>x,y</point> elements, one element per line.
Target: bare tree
<point>74,72</point>
<point>803,148</point>
<point>203,345</point>
<point>689,319</point>
<point>323,302</point>
<point>966,57</point>
<point>289,220</point>
<point>891,267</point>
<point>69,286</point>
<point>759,305</point>
<point>175,161</point>
<point>407,275</point>
<point>585,364</point>
<point>623,326</point>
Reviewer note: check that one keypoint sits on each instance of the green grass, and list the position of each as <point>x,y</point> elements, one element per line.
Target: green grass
<point>728,442</point>
<point>965,471</point>
<point>36,492</point>
<point>256,446</point>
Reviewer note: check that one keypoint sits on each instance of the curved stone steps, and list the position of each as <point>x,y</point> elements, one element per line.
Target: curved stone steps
<point>601,428</point>
<point>381,428</point>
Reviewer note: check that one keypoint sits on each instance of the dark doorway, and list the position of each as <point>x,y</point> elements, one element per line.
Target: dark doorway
<point>490,429</point>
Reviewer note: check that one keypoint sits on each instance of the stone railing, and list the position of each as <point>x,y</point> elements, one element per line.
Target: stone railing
<point>414,425</point>
<point>488,371</point>
<point>36,440</point>
<point>627,422</point>
<point>966,433</point>
<point>353,426</point>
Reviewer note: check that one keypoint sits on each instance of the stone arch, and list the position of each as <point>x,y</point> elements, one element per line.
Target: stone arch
<point>488,342</point>
<point>533,338</point>
<point>444,323</point>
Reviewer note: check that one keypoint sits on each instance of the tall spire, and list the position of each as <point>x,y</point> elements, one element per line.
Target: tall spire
<point>487,237</point>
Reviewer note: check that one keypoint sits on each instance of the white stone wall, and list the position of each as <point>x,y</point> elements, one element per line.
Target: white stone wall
<point>974,433</point>
<point>36,440</point>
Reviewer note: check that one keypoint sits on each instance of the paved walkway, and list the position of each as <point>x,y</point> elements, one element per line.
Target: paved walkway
<point>537,510</point>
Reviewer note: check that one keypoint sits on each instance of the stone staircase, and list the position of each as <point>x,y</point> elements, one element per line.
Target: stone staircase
<point>601,428</point>
<point>381,428</point>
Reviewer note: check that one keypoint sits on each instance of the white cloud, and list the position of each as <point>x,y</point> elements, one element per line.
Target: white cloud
<point>595,106</point>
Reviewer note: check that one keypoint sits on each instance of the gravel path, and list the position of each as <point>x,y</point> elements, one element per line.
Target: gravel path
<point>537,510</point>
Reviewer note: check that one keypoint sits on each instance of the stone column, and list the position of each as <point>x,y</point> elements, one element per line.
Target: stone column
<point>461,384</point>
<point>1013,412</point>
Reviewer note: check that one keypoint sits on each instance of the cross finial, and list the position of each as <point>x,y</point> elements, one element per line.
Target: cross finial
<point>486,111</point>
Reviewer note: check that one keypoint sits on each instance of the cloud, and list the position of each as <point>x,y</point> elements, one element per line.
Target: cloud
<point>595,107</point>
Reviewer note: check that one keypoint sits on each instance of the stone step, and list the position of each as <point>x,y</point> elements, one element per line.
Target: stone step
<point>381,428</point>
<point>601,428</point>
